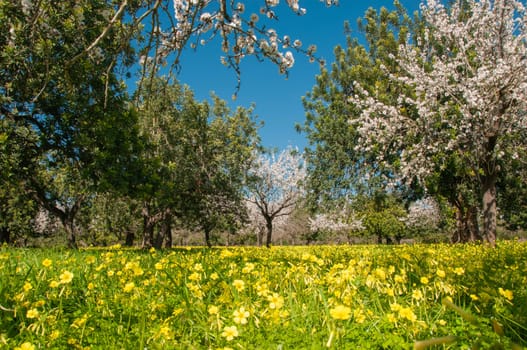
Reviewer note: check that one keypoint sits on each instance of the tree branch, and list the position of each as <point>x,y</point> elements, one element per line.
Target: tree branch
<point>102,35</point>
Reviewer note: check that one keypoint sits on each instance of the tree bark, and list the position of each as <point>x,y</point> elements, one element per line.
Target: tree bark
<point>489,209</point>
<point>467,227</point>
<point>5,236</point>
<point>129,238</point>
<point>167,230</point>
<point>207,236</point>
<point>472,225</point>
<point>148,230</point>
<point>260,236</point>
<point>69,226</point>
<point>269,226</point>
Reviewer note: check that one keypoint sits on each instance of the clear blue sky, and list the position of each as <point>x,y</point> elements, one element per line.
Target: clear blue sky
<point>277,99</point>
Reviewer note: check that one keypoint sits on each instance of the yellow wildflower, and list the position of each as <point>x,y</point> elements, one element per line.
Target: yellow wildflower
<point>129,287</point>
<point>80,321</point>
<point>395,307</point>
<point>165,332</point>
<point>417,294</point>
<point>47,262</point>
<point>248,268</point>
<point>25,346</point>
<point>440,273</point>
<point>241,315</point>
<point>53,284</point>
<point>359,316</point>
<point>32,313</point>
<point>239,285</point>
<point>406,312</point>
<point>459,271</point>
<point>213,310</point>
<point>65,277</point>
<point>507,294</point>
<point>194,276</point>
<point>399,279</point>
<point>380,273</point>
<point>340,312</point>
<point>27,287</point>
<point>275,301</point>
<point>230,333</point>
<point>424,280</point>
<point>90,259</point>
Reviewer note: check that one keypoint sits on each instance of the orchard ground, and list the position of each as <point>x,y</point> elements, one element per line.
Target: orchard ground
<point>302,297</point>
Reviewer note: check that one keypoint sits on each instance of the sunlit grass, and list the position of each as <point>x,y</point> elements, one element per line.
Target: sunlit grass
<point>459,296</point>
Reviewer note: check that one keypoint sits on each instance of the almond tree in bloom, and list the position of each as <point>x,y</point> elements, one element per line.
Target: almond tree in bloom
<point>276,188</point>
<point>468,74</point>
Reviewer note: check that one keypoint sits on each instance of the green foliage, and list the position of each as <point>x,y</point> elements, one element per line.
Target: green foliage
<point>65,122</point>
<point>336,169</point>
<point>197,157</point>
<point>383,218</point>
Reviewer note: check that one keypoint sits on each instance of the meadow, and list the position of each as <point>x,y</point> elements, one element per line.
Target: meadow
<point>311,297</point>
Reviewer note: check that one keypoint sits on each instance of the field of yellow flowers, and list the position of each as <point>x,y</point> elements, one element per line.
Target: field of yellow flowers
<point>338,297</point>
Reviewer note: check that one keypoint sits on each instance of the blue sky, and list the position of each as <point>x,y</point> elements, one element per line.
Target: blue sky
<point>277,99</point>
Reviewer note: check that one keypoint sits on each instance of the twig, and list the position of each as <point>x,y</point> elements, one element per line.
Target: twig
<point>103,34</point>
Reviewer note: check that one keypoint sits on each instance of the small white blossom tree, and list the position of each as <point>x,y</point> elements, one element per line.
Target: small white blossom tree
<point>276,188</point>
<point>424,215</point>
<point>335,222</point>
<point>468,74</point>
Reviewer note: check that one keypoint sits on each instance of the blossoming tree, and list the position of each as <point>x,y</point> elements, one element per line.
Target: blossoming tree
<point>468,74</point>
<point>276,187</point>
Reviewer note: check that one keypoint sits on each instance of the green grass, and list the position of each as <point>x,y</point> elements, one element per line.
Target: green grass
<point>341,297</point>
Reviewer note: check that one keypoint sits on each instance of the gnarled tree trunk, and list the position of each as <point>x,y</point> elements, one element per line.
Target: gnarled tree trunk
<point>269,227</point>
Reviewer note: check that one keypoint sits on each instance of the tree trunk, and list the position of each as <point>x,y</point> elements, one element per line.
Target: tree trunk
<point>269,226</point>
<point>260,236</point>
<point>467,228</point>
<point>158,241</point>
<point>129,238</point>
<point>472,225</point>
<point>165,231</point>
<point>207,236</point>
<point>5,236</point>
<point>148,231</point>
<point>168,231</point>
<point>489,209</point>
<point>69,226</point>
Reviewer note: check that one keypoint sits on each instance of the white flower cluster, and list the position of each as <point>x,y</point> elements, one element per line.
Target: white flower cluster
<point>200,21</point>
<point>423,213</point>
